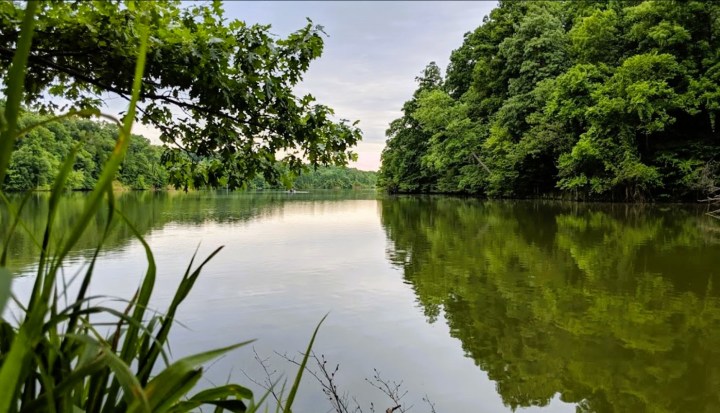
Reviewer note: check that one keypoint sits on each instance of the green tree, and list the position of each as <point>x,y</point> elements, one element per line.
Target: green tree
<point>34,164</point>
<point>220,92</point>
<point>609,100</point>
<point>407,143</point>
<point>595,38</point>
<point>453,147</point>
<point>32,167</point>
<point>326,177</point>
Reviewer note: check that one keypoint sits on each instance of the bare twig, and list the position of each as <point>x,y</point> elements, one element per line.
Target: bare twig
<point>426,399</point>
<point>326,378</point>
<point>326,375</point>
<point>477,158</point>
<point>707,183</point>
<point>390,389</point>
<point>268,383</point>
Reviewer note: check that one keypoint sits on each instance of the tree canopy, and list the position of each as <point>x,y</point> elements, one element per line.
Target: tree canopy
<point>36,161</point>
<point>220,91</point>
<point>608,99</point>
<point>325,177</point>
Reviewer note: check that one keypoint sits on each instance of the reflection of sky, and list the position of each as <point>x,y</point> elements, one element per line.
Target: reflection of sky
<point>278,275</point>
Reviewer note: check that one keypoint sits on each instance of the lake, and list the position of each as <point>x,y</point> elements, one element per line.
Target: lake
<point>482,306</point>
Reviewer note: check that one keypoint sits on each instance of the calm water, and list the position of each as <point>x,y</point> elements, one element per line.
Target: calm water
<point>482,306</point>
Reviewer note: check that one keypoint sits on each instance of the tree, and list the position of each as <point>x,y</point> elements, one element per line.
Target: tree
<point>402,169</point>
<point>38,154</point>
<point>32,167</point>
<point>453,148</point>
<point>603,100</point>
<point>219,91</point>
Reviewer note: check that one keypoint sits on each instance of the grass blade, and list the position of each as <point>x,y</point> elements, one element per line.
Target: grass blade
<point>91,268</point>
<point>133,391</point>
<point>148,360</point>
<point>224,391</point>
<point>113,163</point>
<point>171,384</point>
<point>5,283</point>
<point>301,370</point>
<point>44,284</point>
<point>30,234</point>
<point>11,373</point>
<point>217,396</point>
<point>254,407</point>
<point>85,113</point>
<point>14,91</point>
<point>15,222</point>
<point>144,293</point>
<point>14,368</point>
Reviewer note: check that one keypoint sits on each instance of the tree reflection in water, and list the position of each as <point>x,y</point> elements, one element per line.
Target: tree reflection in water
<point>614,307</point>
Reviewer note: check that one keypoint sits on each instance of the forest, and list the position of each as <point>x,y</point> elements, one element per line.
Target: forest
<point>323,177</point>
<point>39,154</point>
<point>611,100</point>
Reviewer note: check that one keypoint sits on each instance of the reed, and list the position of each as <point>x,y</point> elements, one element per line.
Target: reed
<point>54,359</point>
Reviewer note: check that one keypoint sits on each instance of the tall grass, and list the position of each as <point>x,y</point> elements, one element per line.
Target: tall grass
<point>54,359</point>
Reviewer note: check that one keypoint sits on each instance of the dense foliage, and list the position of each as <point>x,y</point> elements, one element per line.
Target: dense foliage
<point>592,99</point>
<point>220,91</point>
<point>610,307</point>
<point>38,155</point>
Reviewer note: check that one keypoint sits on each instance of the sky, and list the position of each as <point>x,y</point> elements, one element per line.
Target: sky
<point>373,52</point>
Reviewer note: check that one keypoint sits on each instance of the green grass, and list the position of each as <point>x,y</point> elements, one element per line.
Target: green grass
<point>54,359</point>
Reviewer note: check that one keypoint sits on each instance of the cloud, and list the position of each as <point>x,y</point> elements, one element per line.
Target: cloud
<point>373,52</point>
<point>372,55</point>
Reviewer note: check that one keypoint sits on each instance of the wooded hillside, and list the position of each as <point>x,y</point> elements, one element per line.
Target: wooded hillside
<point>41,151</point>
<point>36,161</point>
<point>586,99</point>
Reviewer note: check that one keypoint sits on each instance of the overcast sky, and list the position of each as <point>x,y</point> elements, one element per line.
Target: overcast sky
<point>372,55</point>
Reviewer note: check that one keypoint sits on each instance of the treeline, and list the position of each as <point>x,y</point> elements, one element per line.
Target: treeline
<point>324,177</point>
<point>586,99</point>
<point>39,154</point>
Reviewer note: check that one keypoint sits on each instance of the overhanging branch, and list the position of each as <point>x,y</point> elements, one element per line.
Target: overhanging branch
<point>42,62</point>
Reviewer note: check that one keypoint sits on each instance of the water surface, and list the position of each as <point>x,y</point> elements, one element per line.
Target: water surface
<point>482,306</point>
